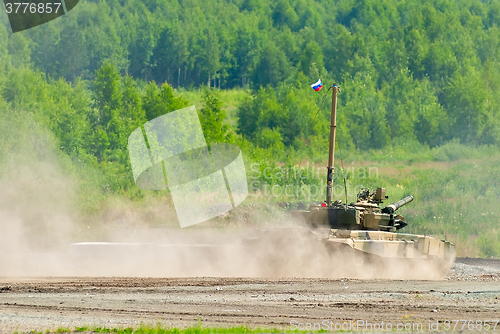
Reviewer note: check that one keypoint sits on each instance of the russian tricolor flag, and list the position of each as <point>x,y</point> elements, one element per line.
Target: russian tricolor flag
<point>317,85</point>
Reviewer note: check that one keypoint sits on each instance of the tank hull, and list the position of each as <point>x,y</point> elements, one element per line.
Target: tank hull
<point>379,254</point>
<point>337,253</point>
<point>394,245</point>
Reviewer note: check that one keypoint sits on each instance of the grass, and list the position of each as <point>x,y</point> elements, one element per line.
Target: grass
<point>158,329</point>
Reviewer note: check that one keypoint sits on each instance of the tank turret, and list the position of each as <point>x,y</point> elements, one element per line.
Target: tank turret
<point>365,214</point>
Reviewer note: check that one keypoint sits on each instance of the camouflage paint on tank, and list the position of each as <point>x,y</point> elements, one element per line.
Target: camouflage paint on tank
<point>394,245</point>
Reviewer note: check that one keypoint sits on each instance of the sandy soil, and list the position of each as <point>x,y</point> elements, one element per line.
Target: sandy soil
<point>470,291</point>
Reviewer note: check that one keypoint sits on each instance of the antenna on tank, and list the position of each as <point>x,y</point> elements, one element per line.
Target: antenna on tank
<point>331,154</point>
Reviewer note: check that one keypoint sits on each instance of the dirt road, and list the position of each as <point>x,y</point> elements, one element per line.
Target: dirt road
<point>471,291</point>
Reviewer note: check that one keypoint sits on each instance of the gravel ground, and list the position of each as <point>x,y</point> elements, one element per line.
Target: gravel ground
<point>466,269</point>
<point>470,291</point>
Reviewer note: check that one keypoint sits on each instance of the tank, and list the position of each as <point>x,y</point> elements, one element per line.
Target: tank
<point>365,236</point>
<point>368,233</point>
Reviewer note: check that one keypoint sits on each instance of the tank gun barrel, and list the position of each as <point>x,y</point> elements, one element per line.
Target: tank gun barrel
<point>394,206</point>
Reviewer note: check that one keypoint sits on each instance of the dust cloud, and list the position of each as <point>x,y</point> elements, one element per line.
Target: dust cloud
<point>205,252</point>
<point>36,215</point>
<point>42,235</point>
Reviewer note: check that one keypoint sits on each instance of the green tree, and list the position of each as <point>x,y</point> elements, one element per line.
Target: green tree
<point>71,57</point>
<point>212,117</point>
<point>144,38</point>
<point>132,110</point>
<point>273,66</point>
<point>211,55</point>
<point>157,102</point>
<point>311,61</point>
<point>19,50</point>
<point>171,54</point>
<point>108,129</point>
<point>246,53</point>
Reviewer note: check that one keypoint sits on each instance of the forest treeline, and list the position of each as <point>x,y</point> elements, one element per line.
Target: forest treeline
<point>409,70</point>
